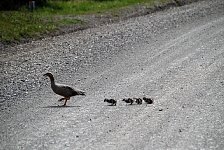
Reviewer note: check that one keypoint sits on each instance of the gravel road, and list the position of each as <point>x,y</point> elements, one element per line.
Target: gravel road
<point>175,57</point>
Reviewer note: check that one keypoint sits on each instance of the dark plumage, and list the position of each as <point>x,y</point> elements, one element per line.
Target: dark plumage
<point>63,90</point>
<point>111,101</point>
<point>138,101</point>
<point>148,100</point>
<point>128,100</point>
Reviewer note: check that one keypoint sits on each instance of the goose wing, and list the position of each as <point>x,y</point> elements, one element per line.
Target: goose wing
<point>66,91</point>
<point>74,91</point>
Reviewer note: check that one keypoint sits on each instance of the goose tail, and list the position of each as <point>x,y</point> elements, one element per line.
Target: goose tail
<point>82,93</point>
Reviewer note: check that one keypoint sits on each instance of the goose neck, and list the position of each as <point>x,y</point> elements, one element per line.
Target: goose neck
<point>52,80</point>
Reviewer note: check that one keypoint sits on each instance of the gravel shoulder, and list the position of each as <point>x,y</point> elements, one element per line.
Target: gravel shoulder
<point>175,56</point>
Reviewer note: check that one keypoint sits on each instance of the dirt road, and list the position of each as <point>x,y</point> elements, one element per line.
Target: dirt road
<point>175,57</point>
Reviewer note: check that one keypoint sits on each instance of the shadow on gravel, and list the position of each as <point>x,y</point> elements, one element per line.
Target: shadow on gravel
<point>111,105</point>
<point>59,106</point>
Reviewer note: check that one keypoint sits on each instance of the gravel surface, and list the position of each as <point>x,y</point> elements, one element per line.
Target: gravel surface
<point>175,56</point>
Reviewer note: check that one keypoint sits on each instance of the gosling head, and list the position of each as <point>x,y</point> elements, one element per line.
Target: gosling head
<point>144,98</point>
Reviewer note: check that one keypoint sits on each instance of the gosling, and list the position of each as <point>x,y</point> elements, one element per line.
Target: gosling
<point>138,101</point>
<point>63,90</point>
<point>148,100</point>
<point>128,100</point>
<point>111,101</point>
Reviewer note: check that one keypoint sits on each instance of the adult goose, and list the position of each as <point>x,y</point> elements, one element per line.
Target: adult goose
<point>63,90</point>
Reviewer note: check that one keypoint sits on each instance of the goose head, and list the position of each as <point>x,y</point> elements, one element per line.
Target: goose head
<point>50,75</point>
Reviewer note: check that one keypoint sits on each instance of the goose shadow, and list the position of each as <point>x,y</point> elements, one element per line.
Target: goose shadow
<point>111,105</point>
<point>59,106</point>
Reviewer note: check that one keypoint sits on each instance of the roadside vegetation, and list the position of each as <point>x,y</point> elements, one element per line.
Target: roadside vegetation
<point>23,23</point>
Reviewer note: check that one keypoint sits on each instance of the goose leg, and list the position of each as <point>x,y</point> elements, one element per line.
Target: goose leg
<point>66,99</point>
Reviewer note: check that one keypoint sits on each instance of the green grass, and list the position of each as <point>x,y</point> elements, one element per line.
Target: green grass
<point>21,24</point>
<point>91,6</point>
<point>15,25</point>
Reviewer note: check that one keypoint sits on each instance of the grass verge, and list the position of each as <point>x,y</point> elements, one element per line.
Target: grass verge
<point>22,24</point>
<point>17,25</point>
